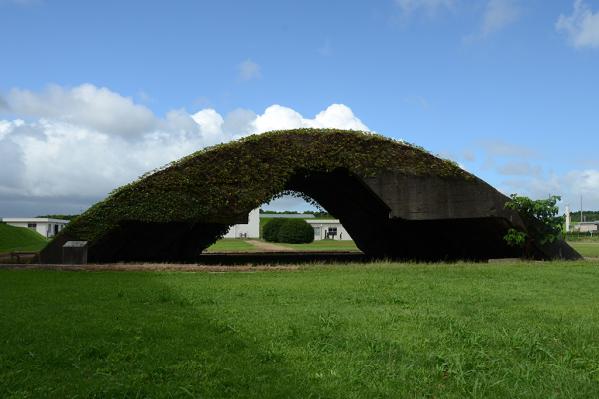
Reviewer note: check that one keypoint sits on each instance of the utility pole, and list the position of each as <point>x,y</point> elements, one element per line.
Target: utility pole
<point>581,208</point>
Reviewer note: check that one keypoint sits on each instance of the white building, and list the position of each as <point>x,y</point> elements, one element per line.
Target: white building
<point>323,228</point>
<point>586,227</point>
<point>45,226</point>
<point>328,229</point>
<point>251,229</point>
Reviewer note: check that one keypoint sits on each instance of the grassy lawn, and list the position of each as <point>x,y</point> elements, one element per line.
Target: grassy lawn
<point>20,239</point>
<point>231,245</point>
<point>237,245</point>
<point>586,248</point>
<point>325,245</point>
<point>509,330</point>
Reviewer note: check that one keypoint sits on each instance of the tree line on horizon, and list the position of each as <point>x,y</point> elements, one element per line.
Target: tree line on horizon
<point>315,213</point>
<point>588,216</point>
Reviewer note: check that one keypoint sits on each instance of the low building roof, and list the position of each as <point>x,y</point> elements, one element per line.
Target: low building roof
<point>33,220</point>
<point>287,215</point>
<point>324,221</point>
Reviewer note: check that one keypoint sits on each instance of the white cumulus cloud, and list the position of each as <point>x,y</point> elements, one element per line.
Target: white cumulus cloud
<point>209,121</point>
<point>339,116</point>
<point>581,27</point>
<point>85,105</point>
<point>335,116</point>
<point>61,144</point>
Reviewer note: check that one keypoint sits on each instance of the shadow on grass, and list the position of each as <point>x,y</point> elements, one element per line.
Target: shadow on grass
<point>130,335</point>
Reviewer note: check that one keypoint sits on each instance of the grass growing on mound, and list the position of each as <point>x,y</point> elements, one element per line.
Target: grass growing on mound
<point>19,239</point>
<point>326,245</point>
<point>383,331</point>
<point>234,178</point>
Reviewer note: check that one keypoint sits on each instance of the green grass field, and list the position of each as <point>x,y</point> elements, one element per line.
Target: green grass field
<point>19,239</point>
<point>586,248</point>
<point>325,245</point>
<point>231,245</point>
<point>373,331</point>
<point>238,245</point>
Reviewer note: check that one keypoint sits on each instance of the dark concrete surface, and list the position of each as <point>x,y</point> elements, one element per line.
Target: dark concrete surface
<point>389,216</point>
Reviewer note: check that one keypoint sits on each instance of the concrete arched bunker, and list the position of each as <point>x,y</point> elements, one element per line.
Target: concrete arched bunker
<point>396,200</point>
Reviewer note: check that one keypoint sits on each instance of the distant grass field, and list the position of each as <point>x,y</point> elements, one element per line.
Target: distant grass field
<point>238,245</point>
<point>586,248</point>
<point>325,245</point>
<point>19,239</point>
<point>372,331</point>
<point>231,245</point>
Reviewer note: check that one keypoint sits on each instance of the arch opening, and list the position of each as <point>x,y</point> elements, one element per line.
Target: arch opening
<point>377,233</point>
<point>346,197</point>
<point>395,200</point>
<point>340,193</point>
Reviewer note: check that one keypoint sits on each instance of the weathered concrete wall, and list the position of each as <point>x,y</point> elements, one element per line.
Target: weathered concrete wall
<point>395,200</point>
<point>435,198</point>
<point>463,218</point>
<point>389,216</point>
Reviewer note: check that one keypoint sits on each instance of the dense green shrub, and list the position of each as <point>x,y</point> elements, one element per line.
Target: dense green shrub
<point>271,229</point>
<point>296,231</point>
<point>545,212</point>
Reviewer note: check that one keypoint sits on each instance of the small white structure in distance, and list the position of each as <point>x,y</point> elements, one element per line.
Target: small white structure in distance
<point>331,229</point>
<point>47,227</point>
<point>587,227</point>
<point>323,228</point>
<point>251,229</point>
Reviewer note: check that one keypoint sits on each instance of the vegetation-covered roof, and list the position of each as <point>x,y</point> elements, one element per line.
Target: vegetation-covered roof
<point>19,239</point>
<point>235,177</point>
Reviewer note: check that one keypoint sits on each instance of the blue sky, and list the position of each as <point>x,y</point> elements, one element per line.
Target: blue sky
<point>507,88</point>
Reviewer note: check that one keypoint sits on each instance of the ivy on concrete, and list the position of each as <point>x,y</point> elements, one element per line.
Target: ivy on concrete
<point>219,183</point>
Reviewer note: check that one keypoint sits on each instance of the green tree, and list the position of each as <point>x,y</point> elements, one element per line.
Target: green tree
<point>548,225</point>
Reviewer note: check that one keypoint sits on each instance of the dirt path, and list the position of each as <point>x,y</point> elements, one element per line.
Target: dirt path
<point>268,246</point>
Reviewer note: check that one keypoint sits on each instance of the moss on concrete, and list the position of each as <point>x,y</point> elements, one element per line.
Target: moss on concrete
<point>222,182</point>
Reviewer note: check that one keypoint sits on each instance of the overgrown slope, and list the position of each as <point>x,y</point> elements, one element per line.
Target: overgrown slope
<point>230,179</point>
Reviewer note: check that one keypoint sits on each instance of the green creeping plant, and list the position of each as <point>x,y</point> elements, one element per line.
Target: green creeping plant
<point>545,211</point>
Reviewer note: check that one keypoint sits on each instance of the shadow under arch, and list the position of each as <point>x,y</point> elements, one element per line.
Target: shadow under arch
<point>396,201</point>
<point>345,196</point>
<point>369,221</point>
